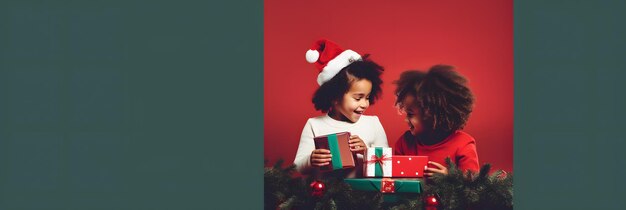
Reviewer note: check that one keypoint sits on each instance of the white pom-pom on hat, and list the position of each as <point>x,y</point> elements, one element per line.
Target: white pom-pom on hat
<point>312,56</point>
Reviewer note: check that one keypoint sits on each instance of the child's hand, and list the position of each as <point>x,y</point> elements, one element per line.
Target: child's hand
<point>356,144</point>
<point>440,169</point>
<point>320,157</point>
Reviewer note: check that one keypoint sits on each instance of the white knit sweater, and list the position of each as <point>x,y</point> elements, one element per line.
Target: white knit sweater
<point>367,128</point>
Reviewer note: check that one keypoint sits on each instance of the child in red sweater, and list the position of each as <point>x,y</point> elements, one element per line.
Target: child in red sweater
<point>437,105</point>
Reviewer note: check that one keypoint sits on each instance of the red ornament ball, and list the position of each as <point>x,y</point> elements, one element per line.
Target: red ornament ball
<point>431,200</point>
<point>317,189</point>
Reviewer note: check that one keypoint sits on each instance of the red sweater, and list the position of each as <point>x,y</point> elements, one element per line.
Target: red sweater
<point>460,147</point>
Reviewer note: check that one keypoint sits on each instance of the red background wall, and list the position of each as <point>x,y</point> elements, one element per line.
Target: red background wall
<point>474,36</point>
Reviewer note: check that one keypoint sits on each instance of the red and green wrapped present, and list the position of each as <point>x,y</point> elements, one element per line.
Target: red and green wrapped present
<point>389,187</point>
<point>377,162</point>
<point>339,148</point>
<point>408,166</point>
<point>380,162</point>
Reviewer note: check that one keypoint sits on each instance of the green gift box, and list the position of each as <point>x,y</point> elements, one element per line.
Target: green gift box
<point>389,187</point>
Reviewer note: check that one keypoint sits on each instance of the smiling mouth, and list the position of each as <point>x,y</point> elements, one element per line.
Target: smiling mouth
<point>358,112</point>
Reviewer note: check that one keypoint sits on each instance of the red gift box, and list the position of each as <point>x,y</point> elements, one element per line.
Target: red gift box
<point>408,166</point>
<point>339,148</point>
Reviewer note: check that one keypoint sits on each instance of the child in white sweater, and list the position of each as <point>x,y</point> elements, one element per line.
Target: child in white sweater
<point>349,84</point>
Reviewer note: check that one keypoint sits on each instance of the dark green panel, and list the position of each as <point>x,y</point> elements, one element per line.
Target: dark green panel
<point>569,105</point>
<point>131,105</point>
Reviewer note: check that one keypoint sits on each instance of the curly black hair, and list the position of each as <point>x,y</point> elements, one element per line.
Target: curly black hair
<point>335,88</point>
<point>442,96</point>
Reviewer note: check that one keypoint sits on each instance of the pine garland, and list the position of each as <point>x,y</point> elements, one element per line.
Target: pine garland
<point>473,191</point>
<point>455,190</point>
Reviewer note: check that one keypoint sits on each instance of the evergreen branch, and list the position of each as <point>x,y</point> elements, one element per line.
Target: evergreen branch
<point>484,171</point>
<point>452,169</point>
<point>457,190</point>
<point>288,204</point>
<point>332,204</point>
<point>278,164</point>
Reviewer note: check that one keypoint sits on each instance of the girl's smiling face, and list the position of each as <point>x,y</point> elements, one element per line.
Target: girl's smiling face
<point>413,117</point>
<point>354,102</point>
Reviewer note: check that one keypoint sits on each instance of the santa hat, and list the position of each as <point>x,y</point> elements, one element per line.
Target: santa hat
<point>329,59</point>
